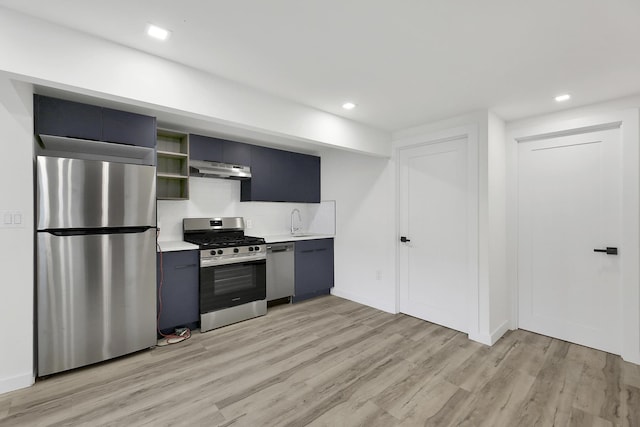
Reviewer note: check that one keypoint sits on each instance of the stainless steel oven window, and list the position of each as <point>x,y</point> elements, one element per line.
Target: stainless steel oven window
<point>230,285</point>
<point>234,278</point>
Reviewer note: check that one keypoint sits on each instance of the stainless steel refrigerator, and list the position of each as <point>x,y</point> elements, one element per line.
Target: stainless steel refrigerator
<point>96,261</point>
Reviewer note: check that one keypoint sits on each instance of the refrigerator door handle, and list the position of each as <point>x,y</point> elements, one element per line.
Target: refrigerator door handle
<point>91,231</point>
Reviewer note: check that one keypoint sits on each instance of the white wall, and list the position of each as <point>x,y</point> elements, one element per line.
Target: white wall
<point>40,52</point>
<point>499,293</point>
<point>364,190</point>
<point>221,197</point>
<point>16,244</point>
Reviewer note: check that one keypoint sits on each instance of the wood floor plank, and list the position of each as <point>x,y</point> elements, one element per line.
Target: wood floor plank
<point>600,390</point>
<point>498,402</point>
<point>333,362</point>
<point>350,414</point>
<point>579,418</point>
<point>630,412</point>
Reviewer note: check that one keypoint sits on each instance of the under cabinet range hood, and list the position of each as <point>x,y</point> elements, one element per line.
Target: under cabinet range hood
<point>218,170</point>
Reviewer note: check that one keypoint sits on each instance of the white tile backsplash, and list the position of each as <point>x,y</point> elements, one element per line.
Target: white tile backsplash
<point>210,197</point>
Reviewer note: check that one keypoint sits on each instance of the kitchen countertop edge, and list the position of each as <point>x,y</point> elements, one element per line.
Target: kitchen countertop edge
<point>289,238</point>
<point>176,245</point>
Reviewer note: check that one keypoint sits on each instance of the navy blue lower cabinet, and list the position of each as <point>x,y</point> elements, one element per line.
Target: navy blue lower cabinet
<point>180,289</point>
<point>313,268</point>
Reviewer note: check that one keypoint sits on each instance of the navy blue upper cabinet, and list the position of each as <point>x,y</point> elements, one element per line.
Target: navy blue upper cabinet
<point>236,153</point>
<point>205,148</point>
<point>128,128</point>
<point>282,176</point>
<point>65,118</point>
<point>219,150</point>
<point>59,117</point>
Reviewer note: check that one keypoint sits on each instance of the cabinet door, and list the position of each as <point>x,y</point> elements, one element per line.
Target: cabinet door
<point>314,268</point>
<point>282,176</point>
<point>305,180</point>
<point>265,183</point>
<point>236,153</point>
<point>180,287</point>
<point>65,118</point>
<point>205,148</point>
<point>128,128</point>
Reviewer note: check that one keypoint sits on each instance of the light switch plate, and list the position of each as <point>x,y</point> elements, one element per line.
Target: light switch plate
<point>11,219</point>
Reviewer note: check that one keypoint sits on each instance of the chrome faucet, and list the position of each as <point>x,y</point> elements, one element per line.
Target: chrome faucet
<point>294,229</point>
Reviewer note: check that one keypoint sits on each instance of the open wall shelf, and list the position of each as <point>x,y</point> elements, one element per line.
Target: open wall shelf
<point>173,165</point>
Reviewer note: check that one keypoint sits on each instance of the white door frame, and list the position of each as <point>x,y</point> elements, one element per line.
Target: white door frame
<point>628,122</point>
<point>469,132</point>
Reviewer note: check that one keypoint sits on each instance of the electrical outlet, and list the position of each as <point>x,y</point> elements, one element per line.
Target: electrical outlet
<point>249,223</point>
<point>378,274</point>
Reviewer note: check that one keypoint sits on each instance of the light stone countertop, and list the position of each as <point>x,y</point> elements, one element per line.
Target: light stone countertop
<point>179,245</point>
<point>176,245</point>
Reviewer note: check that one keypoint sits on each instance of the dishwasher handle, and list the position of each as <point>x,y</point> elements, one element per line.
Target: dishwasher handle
<point>280,248</point>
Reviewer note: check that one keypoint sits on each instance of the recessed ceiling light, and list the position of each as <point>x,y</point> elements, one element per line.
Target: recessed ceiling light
<point>348,105</point>
<point>157,32</point>
<point>562,98</point>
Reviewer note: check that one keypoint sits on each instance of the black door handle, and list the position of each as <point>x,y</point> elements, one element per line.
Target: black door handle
<point>404,239</point>
<point>608,251</point>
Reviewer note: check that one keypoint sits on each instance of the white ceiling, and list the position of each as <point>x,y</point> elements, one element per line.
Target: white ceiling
<point>404,62</point>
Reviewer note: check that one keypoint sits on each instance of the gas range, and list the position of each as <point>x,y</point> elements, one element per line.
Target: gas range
<point>233,284</point>
<point>222,241</point>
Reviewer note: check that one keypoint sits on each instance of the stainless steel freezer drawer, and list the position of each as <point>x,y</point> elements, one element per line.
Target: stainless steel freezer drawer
<point>96,297</point>
<point>73,193</point>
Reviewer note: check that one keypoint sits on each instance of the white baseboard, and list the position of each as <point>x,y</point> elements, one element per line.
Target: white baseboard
<point>499,332</point>
<point>491,339</point>
<point>389,308</point>
<point>481,338</point>
<point>16,383</point>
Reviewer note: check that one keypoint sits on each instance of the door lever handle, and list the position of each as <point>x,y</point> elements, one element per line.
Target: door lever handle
<point>608,251</point>
<point>404,239</point>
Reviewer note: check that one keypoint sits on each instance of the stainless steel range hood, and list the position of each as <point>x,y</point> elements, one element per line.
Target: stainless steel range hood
<point>218,170</point>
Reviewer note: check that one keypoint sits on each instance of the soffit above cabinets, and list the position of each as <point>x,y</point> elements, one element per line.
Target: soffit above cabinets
<point>403,63</point>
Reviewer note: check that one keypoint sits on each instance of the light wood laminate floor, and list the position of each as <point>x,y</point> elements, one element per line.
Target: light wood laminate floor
<point>332,362</point>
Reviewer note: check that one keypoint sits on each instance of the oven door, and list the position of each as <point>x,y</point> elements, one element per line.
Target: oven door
<point>224,286</point>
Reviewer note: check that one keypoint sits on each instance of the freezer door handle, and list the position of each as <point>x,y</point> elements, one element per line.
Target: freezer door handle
<point>91,231</point>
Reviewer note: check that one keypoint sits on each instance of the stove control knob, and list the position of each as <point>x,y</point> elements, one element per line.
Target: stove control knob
<point>213,252</point>
<point>257,248</point>
<point>250,248</point>
<point>219,251</point>
<point>236,250</point>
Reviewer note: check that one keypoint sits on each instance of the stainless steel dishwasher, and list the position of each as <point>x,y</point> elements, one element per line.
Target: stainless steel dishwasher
<point>280,270</point>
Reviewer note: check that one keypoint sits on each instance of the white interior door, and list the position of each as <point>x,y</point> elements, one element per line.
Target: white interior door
<point>569,203</point>
<point>435,263</point>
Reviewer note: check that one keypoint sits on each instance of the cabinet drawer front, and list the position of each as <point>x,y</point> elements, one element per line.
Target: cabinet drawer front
<point>314,245</point>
